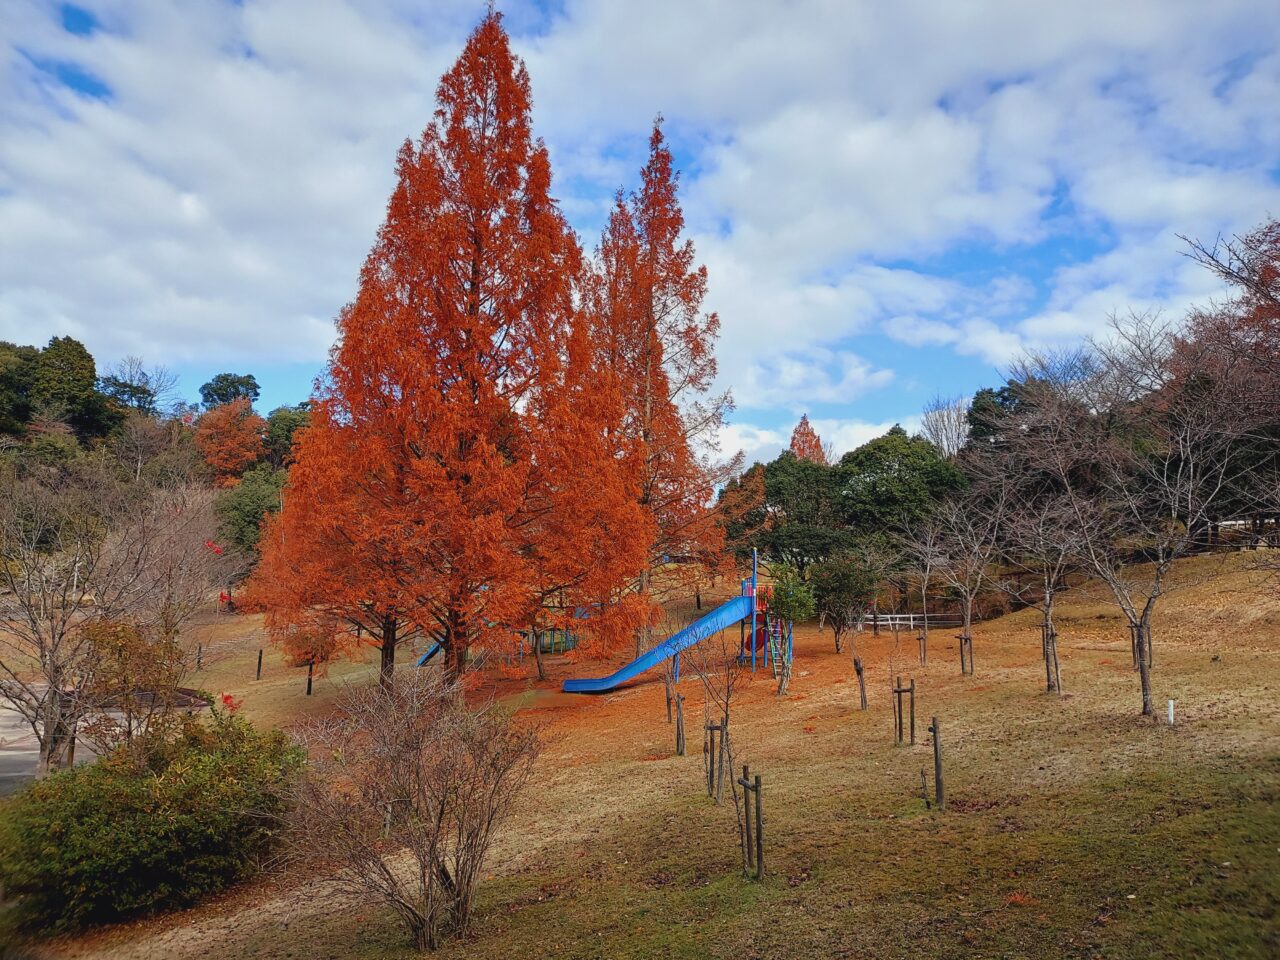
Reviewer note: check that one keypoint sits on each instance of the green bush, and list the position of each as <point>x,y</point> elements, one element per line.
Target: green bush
<point>158,826</point>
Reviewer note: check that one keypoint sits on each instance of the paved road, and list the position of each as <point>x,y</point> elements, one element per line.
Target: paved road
<point>18,751</point>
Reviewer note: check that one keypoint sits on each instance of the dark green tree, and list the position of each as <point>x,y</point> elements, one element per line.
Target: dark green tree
<point>17,382</point>
<point>991,409</point>
<point>282,423</point>
<point>892,480</point>
<point>66,386</point>
<point>226,387</point>
<point>802,502</point>
<point>241,508</point>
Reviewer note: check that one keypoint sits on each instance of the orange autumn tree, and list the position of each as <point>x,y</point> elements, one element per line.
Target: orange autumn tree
<point>459,476</point>
<point>806,444</point>
<point>325,592</point>
<point>653,337</point>
<point>230,438</point>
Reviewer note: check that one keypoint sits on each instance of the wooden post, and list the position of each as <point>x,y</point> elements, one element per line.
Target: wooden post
<point>259,674</point>
<point>897,708</point>
<point>939,792</point>
<point>679,724</point>
<point>311,666</point>
<point>759,832</point>
<point>747,813</point>
<point>199,656</point>
<point>912,691</point>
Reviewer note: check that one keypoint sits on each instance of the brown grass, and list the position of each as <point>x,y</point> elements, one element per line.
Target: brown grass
<point>1075,828</point>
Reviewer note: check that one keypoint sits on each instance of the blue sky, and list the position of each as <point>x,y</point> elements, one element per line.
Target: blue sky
<point>892,200</point>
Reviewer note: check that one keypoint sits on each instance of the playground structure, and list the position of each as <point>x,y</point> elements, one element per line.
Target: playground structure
<point>552,640</point>
<point>770,644</point>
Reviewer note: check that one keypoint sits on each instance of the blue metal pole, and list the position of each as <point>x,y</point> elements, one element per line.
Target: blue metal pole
<point>755,589</point>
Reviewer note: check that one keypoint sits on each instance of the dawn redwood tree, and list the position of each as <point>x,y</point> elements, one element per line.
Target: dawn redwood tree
<point>807,445</point>
<point>326,592</point>
<point>449,445</point>
<point>651,334</point>
<point>230,437</point>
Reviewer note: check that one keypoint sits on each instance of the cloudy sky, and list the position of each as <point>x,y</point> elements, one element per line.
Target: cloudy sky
<point>892,199</point>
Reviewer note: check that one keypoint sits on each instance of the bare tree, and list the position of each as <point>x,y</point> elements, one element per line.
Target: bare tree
<point>922,544</point>
<point>1142,449</point>
<point>140,439</point>
<point>969,524</point>
<point>1042,540</point>
<point>147,390</point>
<point>411,769</point>
<point>80,546</point>
<point>718,663</point>
<point>945,423</point>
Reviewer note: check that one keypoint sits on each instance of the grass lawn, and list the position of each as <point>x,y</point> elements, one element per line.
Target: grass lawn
<point>1074,828</point>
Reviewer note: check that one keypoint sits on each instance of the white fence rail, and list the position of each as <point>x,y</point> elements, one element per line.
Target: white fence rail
<point>906,621</point>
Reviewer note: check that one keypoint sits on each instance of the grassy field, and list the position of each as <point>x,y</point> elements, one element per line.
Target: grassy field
<point>1074,828</point>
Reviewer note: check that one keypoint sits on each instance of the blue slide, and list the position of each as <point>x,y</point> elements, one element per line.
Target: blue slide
<point>435,648</point>
<point>725,615</point>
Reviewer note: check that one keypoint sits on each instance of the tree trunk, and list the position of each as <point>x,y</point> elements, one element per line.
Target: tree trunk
<point>924,611</point>
<point>862,683</point>
<point>1144,668</point>
<point>644,636</point>
<point>966,639</point>
<point>58,737</point>
<point>387,666</point>
<point>537,652</point>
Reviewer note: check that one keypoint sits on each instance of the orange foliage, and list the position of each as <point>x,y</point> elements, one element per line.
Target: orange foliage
<point>651,335</point>
<point>806,444</point>
<point>230,437</point>
<point>462,475</point>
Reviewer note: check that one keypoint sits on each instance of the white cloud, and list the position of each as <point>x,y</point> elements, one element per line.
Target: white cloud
<point>220,202</point>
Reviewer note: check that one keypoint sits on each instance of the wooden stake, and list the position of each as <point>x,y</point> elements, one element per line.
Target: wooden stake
<point>311,666</point>
<point>679,724</point>
<point>199,656</point>
<point>897,708</point>
<point>759,832</point>
<point>912,691</point>
<point>259,674</point>
<point>939,792</point>
<point>747,813</point>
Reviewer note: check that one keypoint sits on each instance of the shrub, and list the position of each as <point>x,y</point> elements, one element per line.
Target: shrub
<point>160,825</point>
